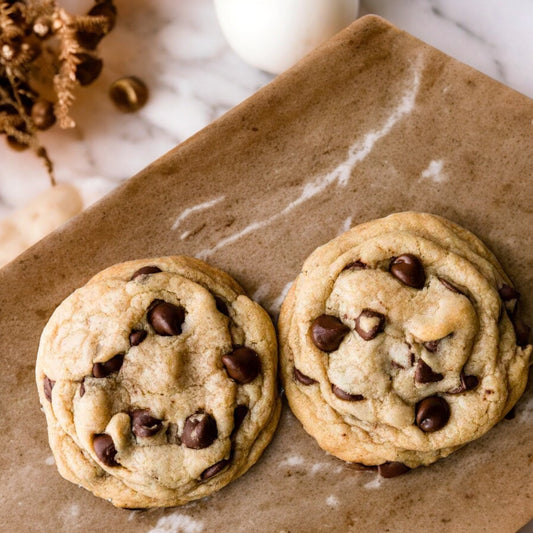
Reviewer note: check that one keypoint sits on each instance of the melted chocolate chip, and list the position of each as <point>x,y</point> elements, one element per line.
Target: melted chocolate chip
<point>137,336</point>
<point>432,414</point>
<point>243,364</point>
<point>450,286</point>
<point>302,378</point>
<point>424,373</point>
<point>343,395</point>
<point>431,346</point>
<point>239,414</point>
<point>356,265</point>
<point>327,332</point>
<point>522,332</point>
<point>508,293</point>
<point>392,469</point>
<point>394,364</point>
<point>48,385</point>
<point>143,424</point>
<point>144,271</point>
<point>102,370</point>
<point>165,318</point>
<point>409,270</point>
<point>369,324</point>
<point>221,306</point>
<point>105,450</point>
<point>467,383</point>
<point>361,467</point>
<point>199,431</point>
<point>510,414</point>
<point>213,470</point>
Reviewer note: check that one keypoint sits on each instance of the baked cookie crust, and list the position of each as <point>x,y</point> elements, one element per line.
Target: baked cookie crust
<point>158,382</point>
<point>400,342</point>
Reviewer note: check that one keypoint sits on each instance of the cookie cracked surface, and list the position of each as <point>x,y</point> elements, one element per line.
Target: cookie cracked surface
<point>158,381</point>
<point>400,342</point>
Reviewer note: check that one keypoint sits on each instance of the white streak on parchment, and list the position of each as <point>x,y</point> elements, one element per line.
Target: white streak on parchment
<point>177,523</point>
<point>340,174</point>
<point>190,210</point>
<point>434,172</point>
<point>292,460</point>
<point>261,293</point>
<point>318,467</point>
<point>346,225</point>
<point>374,484</point>
<point>332,501</point>
<point>276,303</point>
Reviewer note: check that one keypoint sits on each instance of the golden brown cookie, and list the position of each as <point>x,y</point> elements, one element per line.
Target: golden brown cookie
<point>400,342</point>
<point>158,381</point>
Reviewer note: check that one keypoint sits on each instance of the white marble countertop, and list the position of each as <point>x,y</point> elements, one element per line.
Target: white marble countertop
<point>194,77</point>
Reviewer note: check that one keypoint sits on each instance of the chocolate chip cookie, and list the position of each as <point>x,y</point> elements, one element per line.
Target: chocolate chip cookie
<point>158,381</point>
<point>400,342</point>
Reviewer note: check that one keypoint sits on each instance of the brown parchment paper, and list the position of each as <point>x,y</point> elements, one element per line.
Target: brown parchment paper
<point>373,122</point>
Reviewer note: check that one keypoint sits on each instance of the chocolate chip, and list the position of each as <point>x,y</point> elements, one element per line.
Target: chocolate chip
<point>432,414</point>
<point>144,271</point>
<point>243,364</point>
<point>424,373</point>
<point>128,94</point>
<point>507,293</point>
<point>392,469</point>
<point>450,286</point>
<point>412,358</point>
<point>143,424</point>
<point>302,378</point>
<point>343,395</point>
<point>137,336</point>
<point>165,318</point>
<point>327,332</point>
<point>82,389</point>
<point>172,434</point>
<point>239,413</point>
<point>469,382</point>
<point>431,346</point>
<point>102,370</point>
<point>522,331</point>
<point>48,385</point>
<point>510,414</point>
<point>409,270</point>
<point>105,450</point>
<point>221,306</point>
<point>369,324</point>
<point>356,265</point>
<point>213,470</point>
<point>199,431</point>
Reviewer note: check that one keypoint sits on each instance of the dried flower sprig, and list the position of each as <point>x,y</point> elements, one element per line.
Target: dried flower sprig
<point>45,55</point>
